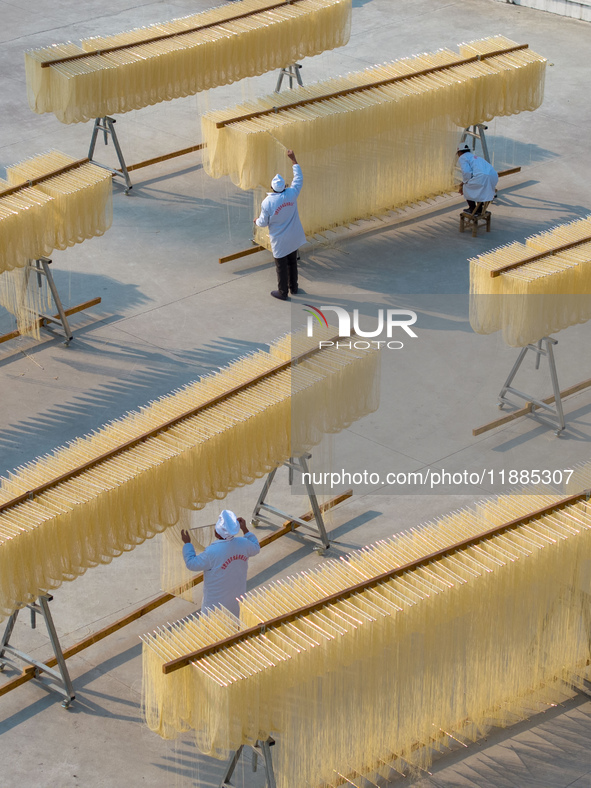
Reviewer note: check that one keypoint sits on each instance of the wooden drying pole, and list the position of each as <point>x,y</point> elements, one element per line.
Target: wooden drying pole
<point>539,256</point>
<point>42,321</point>
<point>164,157</point>
<point>264,626</point>
<point>30,671</point>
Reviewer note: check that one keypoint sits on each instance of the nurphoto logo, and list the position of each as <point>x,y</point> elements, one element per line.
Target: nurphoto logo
<point>387,321</point>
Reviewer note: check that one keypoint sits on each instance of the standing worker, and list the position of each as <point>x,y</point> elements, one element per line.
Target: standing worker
<point>224,563</point>
<point>279,212</point>
<point>479,177</point>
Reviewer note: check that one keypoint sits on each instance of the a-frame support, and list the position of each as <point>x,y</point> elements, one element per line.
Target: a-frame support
<point>263,511</point>
<point>58,681</point>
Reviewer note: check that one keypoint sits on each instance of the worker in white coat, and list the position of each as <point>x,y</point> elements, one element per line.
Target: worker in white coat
<point>479,177</point>
<point>224,563</point>
<point>279,212</point>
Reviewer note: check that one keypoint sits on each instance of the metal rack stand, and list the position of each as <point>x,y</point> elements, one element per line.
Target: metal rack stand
<point>262,750</point>
<point>542,348</point>
<point>57,681</point>
<point>299,464</point>
<point>291,72</point>
<point>474,133</point>
<point>41,268</point>
<point>107,126</point>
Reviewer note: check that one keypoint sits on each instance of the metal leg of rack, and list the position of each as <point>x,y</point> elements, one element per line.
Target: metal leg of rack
<point>291,72</point>
<point>554,415</point>
<point>57,680</point>
<point>107,126</point>
<point>263,511</point>
<point>262,750</point>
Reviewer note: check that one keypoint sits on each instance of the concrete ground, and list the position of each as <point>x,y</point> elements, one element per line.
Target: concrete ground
<point>170,313</point>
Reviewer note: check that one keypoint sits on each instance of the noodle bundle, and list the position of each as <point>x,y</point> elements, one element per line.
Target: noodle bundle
<point>141,71</point>
<point>367,151</point>
<point>485,635</point>
<point>532,299</point>
<point>57,212</point>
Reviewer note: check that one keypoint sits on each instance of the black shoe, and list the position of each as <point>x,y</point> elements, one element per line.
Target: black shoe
<point>277,294</point>
<point>298,290</point>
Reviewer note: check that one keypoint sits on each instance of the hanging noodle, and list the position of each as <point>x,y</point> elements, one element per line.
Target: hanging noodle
<point>138,490</point>
<point>372,150</point>
<point>55,213</point>
<point>533,299</point>
<point>486,635</point>
<point>140,74</point>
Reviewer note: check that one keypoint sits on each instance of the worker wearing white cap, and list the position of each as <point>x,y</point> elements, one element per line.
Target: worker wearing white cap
<point>479,177</point>
<point>279,212</point>
<point>224,563</point>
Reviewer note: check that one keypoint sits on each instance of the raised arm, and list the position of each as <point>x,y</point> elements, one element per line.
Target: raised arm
<point>298,178</point>
<point>253,543</point>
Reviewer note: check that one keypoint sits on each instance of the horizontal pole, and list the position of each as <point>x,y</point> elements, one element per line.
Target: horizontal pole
<point>243,253</point>
<point>165,36</point>
<point>28,672</point>
<point>369,86</point>
<point>340,596</point>
<point>529,408</point>
<point>164,157</point>
<point>510,171</point>
<point>29,494</point>
<point>40,178</point>
<point>539,255</point>
<point>42,320</point>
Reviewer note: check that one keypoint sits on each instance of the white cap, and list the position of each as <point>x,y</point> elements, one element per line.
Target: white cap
<point>227,525</point>
<point>463,145</point>
<point>278,184</point>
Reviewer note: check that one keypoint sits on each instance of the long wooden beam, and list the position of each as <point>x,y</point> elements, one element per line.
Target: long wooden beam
<point>339,596</point>
<point>164,36</point>
<point>29,494</point>
<point>40,178</point>
<point>369,86</point>
<point>164,157</point>
<point>42,321</point>
<point>29,671</point>
<point>529,408</point>
<point>539,255</point>
<point>243,253</point>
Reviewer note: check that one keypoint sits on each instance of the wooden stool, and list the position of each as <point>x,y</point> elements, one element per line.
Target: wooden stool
<point>480,215</point>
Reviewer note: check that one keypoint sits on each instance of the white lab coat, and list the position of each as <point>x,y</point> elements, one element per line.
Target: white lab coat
<point>279,212</point>
<point>480,178</point>
<point>224,565</point>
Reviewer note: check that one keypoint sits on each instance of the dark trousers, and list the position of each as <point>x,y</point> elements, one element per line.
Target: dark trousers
<point>471,205</point>
<point>287,273</point>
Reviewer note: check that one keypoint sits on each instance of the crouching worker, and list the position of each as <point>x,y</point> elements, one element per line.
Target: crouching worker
<point>224,563</point>
<point>479,178</point>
